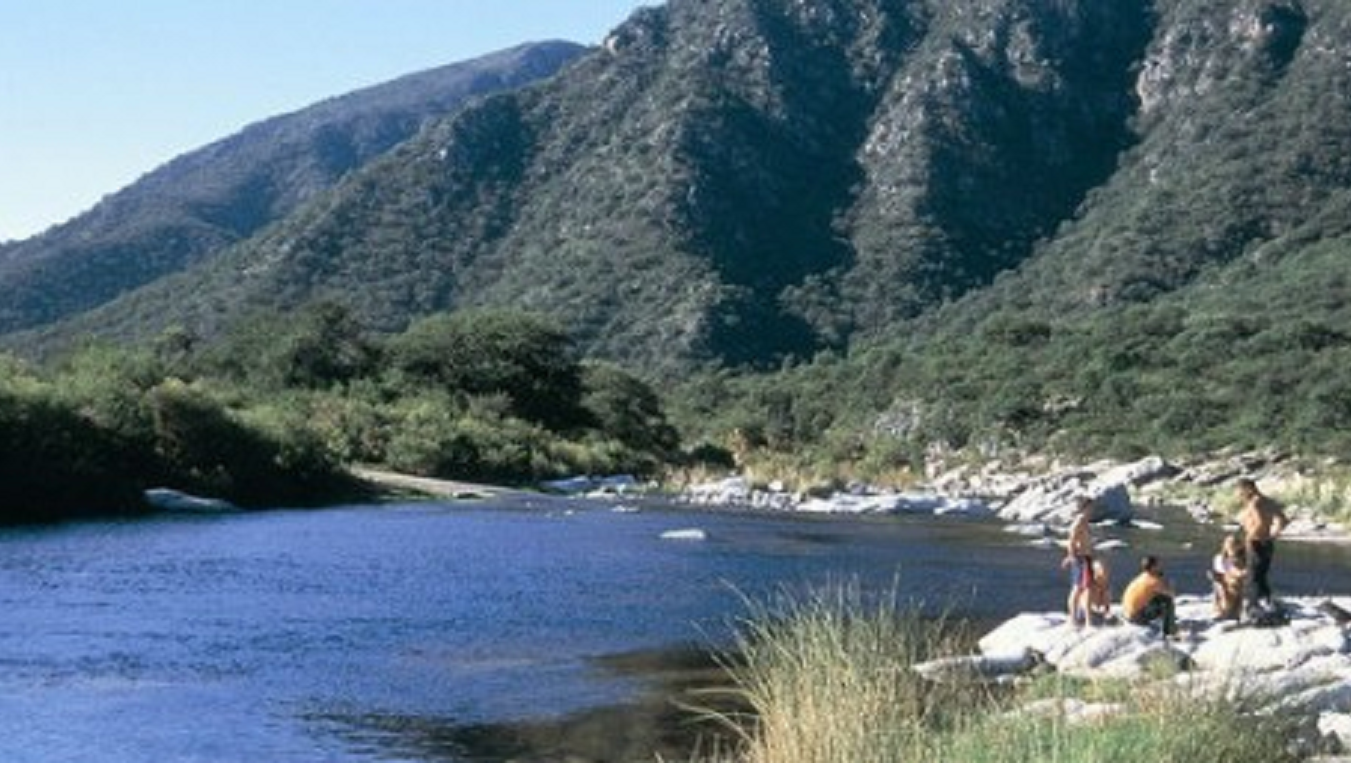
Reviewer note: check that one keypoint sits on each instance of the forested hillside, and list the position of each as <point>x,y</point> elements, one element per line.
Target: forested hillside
<point>201,202</point>
<point>1081,224</point>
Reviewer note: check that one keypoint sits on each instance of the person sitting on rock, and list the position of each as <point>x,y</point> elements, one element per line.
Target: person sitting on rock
<point>1079,560</point>
<point>1149,598</point>
<point>1228,575</point>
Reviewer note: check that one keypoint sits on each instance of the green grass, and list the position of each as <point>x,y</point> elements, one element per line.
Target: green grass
<point>827,677</point>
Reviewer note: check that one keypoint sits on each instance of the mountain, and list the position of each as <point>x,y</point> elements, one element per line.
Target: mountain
<point>747,181</point>
<point>200,203</point>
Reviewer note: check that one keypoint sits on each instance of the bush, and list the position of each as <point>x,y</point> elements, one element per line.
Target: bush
<point>204,448</point>
<point>517,355</point>
<point>56,464</point>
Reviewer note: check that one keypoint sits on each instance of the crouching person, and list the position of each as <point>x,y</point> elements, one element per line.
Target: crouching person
<point>1149,598</point>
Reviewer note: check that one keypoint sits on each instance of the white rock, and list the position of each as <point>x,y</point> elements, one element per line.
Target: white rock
<point>1114,544</point>
<point>1033,632</point>
<point>731,490</point>
<point>1028,529</point>
<point>1055,499</point>
<point>1336,725</point>
<point>1268,649</point>
<point>1333,696</point>
<point>1144,471</point>
<point>168,499</point>
<point>1112,652</point>
<point>687,534</point>
<point>976,667</point>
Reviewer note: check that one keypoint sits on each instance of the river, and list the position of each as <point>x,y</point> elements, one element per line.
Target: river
<point>339,634</point>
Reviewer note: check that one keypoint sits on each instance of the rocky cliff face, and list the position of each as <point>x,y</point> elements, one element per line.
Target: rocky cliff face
<point>740,181</point>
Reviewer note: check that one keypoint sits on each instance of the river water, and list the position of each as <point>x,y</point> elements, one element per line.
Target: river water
<point>270,636</point>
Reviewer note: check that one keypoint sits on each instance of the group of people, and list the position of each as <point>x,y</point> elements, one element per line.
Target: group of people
<point>1239,573</point>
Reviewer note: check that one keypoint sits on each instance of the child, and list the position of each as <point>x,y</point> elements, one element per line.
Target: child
<point>1079,560</point>
<point>1100,594</point>
<point>1228,574</point>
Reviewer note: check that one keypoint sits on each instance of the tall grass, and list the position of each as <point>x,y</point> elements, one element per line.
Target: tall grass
<point>827,679</point>
<point>1325,492</point>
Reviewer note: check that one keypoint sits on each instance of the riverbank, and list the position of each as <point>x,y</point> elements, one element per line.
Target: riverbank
<point>397,484</point>
<point>1038,495</point>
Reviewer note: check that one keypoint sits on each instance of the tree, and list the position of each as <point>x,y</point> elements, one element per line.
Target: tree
<point>492,352</point>
<point>628,410</point>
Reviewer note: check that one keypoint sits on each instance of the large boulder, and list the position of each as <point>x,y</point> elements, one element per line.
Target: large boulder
<point>1053,501</point>
<point>1270,649</point>
<point>1123,652</point>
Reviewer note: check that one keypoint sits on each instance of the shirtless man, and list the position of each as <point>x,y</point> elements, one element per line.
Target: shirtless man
<point>1262,519</point>
<point>1079,559</point>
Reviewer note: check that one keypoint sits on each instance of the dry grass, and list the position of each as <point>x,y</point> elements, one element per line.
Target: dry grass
<point>828,679</point>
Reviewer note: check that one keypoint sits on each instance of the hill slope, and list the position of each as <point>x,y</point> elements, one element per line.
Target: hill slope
<point>737,182</point>
<point>203,201</point>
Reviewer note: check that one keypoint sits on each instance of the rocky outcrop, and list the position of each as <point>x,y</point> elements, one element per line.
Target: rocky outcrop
<point>1302,666</point>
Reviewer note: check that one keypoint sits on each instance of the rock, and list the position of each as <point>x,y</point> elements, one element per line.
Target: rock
<point>686,534</point>
<point>856,502</point>
<point>1302,669</point>
<point>1333,695</point>
<point>1269,649</point>
<point>168,499</point>
<point>1028,529</point>
<point>1337,726</point>
<point>1113,652</point>
<point>1053,501</point>
<point>1028,632</point>
<point>598,487</point>
<point>1139,473</point>
<point>1115,544</point>
<point>730,491</point>
<point>978,668</point>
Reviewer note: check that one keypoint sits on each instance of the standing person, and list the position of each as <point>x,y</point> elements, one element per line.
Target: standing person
<point>1262,519</point>
<point>1149,597</point>
<point>1079,560</point>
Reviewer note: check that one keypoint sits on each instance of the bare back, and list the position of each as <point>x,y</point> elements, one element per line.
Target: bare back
<point>1079,542</point>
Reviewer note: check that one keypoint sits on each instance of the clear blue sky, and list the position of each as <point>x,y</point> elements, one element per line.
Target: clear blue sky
<point>94,93</point>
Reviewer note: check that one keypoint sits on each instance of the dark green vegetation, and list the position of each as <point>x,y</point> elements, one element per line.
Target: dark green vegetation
<point>200,203</point>
<point>1243,360</point>
<point>855,230</point>
<point>274,413</point>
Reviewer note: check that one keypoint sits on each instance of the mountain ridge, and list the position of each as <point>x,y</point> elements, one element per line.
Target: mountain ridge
<point>755,181</point>
<point>204,200</point>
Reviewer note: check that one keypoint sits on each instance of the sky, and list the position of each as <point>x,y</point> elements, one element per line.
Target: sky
<point>95,93</point>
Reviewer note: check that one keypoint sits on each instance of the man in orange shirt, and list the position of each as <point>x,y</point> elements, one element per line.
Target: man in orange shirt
<point>1149,597</point>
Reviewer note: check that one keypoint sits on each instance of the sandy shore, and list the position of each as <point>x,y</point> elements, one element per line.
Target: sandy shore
<point>433,488</point>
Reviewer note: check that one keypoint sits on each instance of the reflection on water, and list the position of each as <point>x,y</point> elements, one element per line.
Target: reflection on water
<point>428,632</point>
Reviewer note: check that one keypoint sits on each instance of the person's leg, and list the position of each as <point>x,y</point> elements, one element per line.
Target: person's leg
<point>1159,608</point>
<point>1168,613</point>
<point>1261,553</point>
